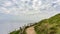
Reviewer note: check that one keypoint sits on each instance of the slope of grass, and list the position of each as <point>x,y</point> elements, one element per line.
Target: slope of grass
<point>49,26</point>
<point>15,32</point>
<point>46,26</point>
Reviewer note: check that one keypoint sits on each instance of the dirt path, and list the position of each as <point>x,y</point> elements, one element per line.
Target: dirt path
<point>30,30</point>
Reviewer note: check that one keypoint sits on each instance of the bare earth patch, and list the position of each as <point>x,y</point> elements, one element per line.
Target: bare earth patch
<point>30,30</point>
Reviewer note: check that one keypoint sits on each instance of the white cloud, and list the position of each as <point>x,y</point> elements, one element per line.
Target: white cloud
<point>4,10</point>
<point>8,3</point>
<point>36,4</point>
<point>24,8</point>
<point>14,0</point>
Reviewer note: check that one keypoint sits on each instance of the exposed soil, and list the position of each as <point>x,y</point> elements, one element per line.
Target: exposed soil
<point>30,30</point>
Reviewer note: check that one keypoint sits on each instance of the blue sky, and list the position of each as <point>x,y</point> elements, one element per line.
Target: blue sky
<point>15,13</point>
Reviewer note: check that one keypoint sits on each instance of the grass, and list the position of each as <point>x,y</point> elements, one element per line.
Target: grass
<point>15,32</point>
<point>46,26</point>
<point>49,26</point>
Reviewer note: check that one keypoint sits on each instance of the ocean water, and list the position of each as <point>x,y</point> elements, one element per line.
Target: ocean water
<point>8,27</point>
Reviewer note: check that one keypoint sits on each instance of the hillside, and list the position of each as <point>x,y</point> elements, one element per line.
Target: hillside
<point>46,26</point>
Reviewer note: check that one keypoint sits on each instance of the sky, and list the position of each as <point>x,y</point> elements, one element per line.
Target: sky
<point>15,13</point>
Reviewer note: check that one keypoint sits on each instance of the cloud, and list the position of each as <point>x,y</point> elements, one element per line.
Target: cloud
<point>18,7</point>
<point>7,3</point>
<point>36,4</point>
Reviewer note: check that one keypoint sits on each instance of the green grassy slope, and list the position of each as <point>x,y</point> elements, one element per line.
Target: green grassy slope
<point>15,32</point>
<point>46,26</point>
<point>49,26</point>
